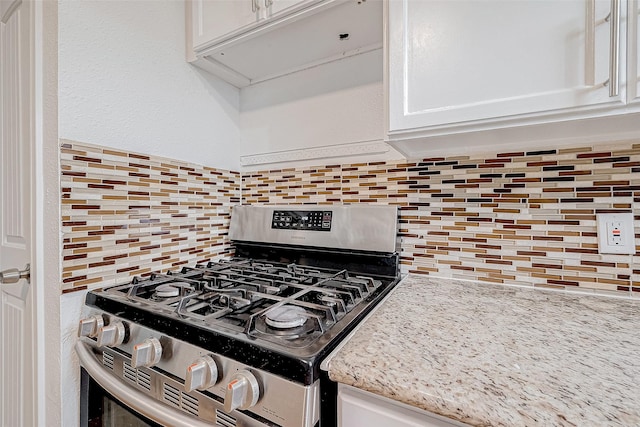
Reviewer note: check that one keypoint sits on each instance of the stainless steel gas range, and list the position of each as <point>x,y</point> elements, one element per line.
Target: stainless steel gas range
<point>239,341</point>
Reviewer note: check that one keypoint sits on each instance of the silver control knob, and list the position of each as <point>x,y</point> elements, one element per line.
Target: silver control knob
<point>111,335</point>
<point>242,392</point>
<point>201,374</point>
<point>90,326</point>
<point>147,353</point>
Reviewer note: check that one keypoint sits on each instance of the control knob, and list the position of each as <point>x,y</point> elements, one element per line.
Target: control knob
<point>111,335</point>
<point>90,326</point>
<point>147,353</point>
<point>242,391</point>
<point>201,374</point>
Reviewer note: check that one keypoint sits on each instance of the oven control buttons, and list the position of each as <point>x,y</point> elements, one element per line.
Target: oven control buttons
<point>111,335</point>
<point>147,353</point>
<point>242,391</point>
<point>302,220</point>
<point>201,374</point>
<point>90,326</point>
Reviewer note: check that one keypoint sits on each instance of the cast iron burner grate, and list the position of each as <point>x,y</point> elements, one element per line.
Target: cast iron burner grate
<point>245,295</point>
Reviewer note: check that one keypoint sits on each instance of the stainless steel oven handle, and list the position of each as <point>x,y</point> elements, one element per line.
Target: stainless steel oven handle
<point>139,402</point>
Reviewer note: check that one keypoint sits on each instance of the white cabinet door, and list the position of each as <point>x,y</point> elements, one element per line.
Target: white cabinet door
<point>357,408</point>
<point>634,52</point>
<point>282,7</point>
<point>454,62</point>
<point>213,19</point>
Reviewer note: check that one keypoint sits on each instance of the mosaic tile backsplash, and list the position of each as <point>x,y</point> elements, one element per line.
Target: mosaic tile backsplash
<point>524,217</point>
<point>521,217</point>
<point>126,214</point>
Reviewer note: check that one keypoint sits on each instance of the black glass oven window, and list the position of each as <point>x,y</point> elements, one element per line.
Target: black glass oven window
<point>302,220</point>
<point>116,415</point>
<point>99,409</point>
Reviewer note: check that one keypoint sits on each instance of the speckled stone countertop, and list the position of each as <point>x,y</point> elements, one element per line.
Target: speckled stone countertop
<point>490,355</point>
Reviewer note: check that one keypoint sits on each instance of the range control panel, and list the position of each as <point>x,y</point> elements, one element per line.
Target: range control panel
<point>302,220</point>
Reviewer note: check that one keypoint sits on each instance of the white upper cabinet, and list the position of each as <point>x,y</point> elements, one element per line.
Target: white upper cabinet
<point>456,61</point>
<point>471,65</point>
<point>250,41</point>
<point>214,19</point>
<point>274,8</point>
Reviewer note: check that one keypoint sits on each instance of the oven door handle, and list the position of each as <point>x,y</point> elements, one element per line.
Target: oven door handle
<point>140,402</point>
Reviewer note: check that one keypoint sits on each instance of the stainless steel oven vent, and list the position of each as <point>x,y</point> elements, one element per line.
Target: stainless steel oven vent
<point>189,404</point>
<point>179,399</point>
<point>171,394</point>
<point>224,420</point>
<point>107,360</point>
<point>128,372</point>
<point>136,376</point>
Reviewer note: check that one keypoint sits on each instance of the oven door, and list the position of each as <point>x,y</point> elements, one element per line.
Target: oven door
<point>106,401</point>
<point>98,408</point>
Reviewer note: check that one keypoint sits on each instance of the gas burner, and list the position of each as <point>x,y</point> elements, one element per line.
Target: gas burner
<point>286,317</point>
<point>172,289</point>
<point>330,300</point>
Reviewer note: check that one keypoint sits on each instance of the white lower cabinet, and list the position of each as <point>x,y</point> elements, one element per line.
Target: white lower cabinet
<point>358,408</point>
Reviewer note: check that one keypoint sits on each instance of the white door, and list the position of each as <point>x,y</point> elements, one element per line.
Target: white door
<point>16,327</point>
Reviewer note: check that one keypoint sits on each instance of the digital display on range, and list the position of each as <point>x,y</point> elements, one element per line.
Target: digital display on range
<point>302,220</point>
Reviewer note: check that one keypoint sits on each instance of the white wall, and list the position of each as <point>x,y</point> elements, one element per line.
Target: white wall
<point>124,83</point>
<point>341,102</point>
<point>46,196</point>
<point>71,305</point>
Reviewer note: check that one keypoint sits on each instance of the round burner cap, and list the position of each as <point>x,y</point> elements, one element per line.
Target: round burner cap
<point>286,316</point>
<point>169,290</point>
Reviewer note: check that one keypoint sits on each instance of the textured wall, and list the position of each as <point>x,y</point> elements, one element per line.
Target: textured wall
<point>521,217</point>
<point>124,83</point>
<point>126,214</point>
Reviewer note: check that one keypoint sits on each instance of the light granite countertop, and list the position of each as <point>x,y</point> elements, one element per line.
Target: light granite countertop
<point>491,355</point>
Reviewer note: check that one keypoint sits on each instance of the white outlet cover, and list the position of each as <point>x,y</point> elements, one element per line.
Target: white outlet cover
<point>628,243</point>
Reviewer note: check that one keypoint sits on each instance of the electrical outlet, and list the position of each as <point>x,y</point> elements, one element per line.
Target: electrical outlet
<point>616,234</point>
